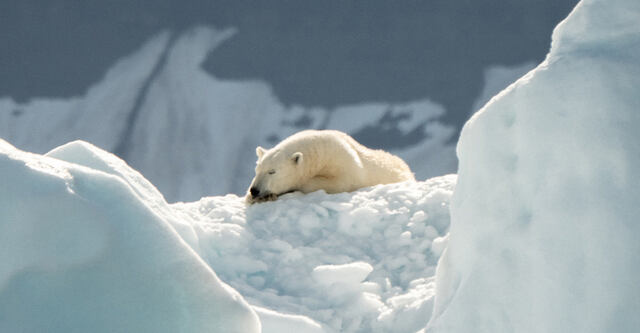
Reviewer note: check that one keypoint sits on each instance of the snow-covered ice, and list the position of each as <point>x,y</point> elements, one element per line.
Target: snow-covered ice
<point>544,230</point>
<point>497,78</point>
<point>543,233</point>
<point>89,247</point>
<point>89,242</point>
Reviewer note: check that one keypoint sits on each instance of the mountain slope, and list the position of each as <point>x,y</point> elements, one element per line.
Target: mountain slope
<point>157,101</point>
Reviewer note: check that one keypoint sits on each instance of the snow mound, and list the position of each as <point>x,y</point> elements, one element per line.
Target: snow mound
<point>544,231</point>
<point>353,262</point>
<point>90,245</point>
<point>87,247</point>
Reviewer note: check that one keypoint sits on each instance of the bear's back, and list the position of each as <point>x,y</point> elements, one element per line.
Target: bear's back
<point>378,166</point>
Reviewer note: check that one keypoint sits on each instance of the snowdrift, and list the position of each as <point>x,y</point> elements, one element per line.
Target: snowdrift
<point>88,244</point>
<point>544,231</point>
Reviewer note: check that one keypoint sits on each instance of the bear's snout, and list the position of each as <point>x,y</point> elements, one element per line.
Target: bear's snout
<point>255,195</point>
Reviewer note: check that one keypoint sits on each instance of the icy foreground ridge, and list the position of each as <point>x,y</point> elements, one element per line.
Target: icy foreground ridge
<point>92,247</point>
<point>544,229</point>
<point>88,244</point>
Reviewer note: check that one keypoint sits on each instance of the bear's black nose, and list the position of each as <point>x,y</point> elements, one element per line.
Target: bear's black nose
<point>254,192</point>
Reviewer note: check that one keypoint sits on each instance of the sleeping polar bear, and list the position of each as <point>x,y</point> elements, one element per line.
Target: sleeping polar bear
<point>327,160</point>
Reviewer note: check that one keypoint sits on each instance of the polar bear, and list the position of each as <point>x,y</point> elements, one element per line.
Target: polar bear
<point>327,160</point>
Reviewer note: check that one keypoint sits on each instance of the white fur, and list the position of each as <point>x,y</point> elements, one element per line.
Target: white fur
<point>329,160</point>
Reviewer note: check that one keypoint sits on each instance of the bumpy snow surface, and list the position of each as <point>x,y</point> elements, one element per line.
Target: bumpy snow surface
<point>545,217</point>
<point>89,245</point>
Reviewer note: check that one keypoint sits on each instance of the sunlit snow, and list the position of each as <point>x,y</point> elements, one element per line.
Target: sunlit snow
<point>97,234</point>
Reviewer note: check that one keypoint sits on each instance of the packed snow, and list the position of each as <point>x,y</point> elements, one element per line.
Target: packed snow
<point>91,243</point>
<point>497,78</point>
<point>354,262</point>
<point>158,100</point>
<point>91,246</point>
<point>544,230</point>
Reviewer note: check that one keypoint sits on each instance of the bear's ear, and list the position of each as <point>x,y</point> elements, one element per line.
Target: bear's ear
<point>259,151</point>
<point>297,157</point>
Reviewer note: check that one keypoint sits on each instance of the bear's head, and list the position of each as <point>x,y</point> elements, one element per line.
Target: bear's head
<point>277,172</point>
